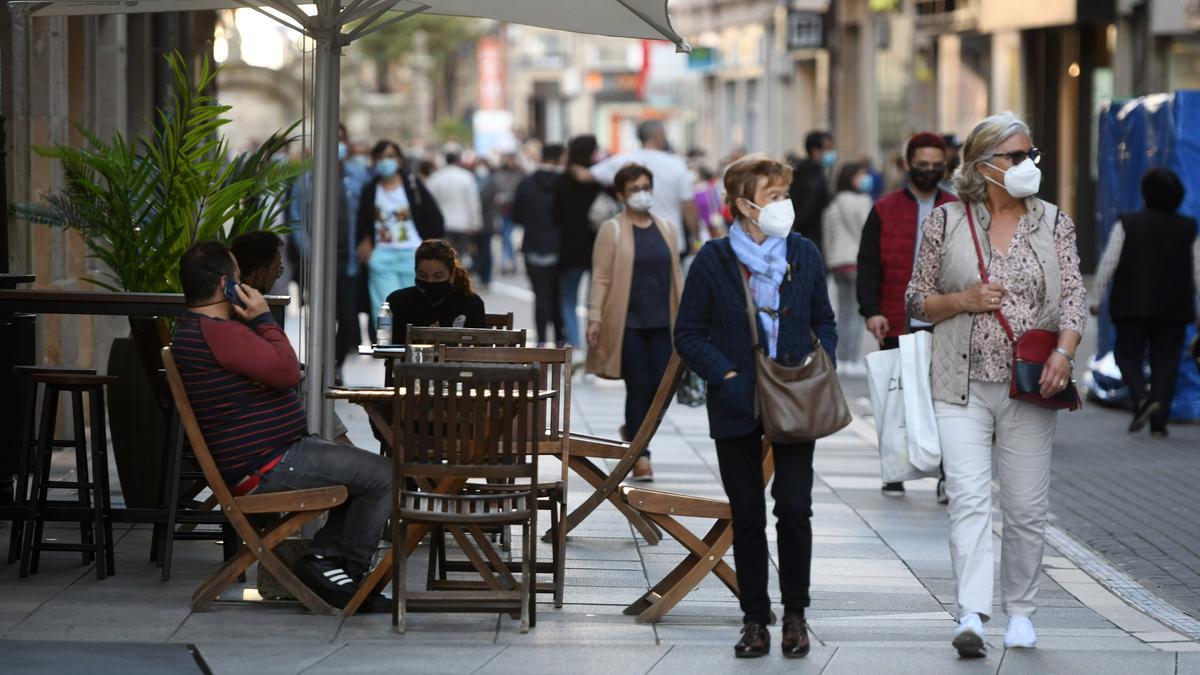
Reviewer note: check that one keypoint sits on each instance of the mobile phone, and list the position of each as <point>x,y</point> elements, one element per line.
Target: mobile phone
<point>231,293</point>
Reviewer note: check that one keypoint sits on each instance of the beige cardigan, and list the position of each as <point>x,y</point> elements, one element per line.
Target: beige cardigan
<point>612,278</point>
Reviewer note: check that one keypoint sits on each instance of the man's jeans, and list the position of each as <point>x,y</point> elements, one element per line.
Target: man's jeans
<point>353,529</point>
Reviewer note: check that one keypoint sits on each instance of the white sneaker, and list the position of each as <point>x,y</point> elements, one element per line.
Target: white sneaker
<point>968,638</point>
<point>1020,633</point>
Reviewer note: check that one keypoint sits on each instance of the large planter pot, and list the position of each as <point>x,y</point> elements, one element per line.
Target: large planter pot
<point>137,426</point>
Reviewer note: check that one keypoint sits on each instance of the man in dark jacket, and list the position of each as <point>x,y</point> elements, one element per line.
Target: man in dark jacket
<point>533,209</point>
<point>1153,260</point>
<point>890,240</point>
<point>810,187</point>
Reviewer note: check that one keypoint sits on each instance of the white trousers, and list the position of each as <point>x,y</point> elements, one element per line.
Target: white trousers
<point>1021,436</point>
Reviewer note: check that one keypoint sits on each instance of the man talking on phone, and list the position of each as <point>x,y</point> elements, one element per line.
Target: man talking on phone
<point>240,374</point>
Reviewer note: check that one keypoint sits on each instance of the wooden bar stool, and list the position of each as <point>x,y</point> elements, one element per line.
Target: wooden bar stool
<point>24,376</point>
<point>92,505</point>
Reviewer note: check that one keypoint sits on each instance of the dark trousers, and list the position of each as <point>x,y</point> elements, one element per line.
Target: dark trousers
<point>353,529</point>
<point>740,461</point>
<point>1164,339</point>
<point>547,309</point>
<point>349,334</point>
<point>644,356</point>
<point>483,257</point>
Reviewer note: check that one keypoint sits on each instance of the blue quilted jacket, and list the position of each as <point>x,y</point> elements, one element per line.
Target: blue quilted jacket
<point>712,332</point>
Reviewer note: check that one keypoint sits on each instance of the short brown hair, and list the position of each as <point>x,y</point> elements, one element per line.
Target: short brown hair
<point>741,178</point>
<point>629,173</point>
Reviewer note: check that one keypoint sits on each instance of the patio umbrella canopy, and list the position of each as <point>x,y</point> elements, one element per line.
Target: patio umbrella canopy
<point>327,27</point>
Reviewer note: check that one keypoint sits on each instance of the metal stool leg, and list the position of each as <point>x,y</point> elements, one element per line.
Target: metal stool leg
<point>21,495</point>
<point>38,490</point>
<point>82,477</point>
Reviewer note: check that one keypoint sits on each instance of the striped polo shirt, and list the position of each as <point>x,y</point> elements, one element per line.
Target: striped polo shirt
<point>241,380</point>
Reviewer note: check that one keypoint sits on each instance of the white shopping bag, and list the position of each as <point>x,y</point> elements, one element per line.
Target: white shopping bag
<point>924,449</point>
<point>887,402</point>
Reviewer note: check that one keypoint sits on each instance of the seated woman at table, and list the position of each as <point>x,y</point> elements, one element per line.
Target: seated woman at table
<point>442,295</point>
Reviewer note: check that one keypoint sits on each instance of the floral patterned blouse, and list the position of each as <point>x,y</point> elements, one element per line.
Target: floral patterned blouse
<point>1020,274</point>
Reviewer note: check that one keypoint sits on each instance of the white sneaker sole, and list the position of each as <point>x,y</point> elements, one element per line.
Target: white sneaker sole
<point>970,645</point>
<point>1020,645</point>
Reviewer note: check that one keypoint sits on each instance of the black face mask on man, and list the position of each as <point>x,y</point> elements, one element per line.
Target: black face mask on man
<point>925,180</point>
<point>435,291</point>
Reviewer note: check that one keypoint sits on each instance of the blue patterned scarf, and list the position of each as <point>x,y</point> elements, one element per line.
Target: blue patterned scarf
<point>767,263</point>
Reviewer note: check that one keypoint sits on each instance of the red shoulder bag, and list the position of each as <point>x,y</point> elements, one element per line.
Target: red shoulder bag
<point>1030,353</point>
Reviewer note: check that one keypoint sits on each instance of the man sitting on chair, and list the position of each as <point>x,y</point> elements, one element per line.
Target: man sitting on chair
<point>241,374</point>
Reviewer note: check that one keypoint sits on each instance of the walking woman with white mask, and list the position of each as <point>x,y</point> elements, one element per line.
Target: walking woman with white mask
<point>786,280</point>
<point>636,282</point>
<point>994,274</point>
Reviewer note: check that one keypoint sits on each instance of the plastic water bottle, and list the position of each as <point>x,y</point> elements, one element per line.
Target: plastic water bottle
<point>383,325</point>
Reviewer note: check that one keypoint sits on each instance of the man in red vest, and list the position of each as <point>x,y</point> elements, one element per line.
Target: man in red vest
<point>889,244</point>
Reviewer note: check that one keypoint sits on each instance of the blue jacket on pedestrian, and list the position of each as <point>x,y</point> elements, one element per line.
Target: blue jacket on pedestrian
<point>712,331</point>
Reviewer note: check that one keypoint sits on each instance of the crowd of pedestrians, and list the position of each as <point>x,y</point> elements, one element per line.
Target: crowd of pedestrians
<point>733,264</point>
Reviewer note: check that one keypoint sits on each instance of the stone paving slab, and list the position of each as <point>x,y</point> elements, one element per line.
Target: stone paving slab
<point>102,659</point>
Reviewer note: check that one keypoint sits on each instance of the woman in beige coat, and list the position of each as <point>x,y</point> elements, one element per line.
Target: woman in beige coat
<point>636,283</point>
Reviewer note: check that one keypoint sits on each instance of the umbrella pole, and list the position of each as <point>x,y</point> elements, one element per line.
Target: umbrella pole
<point>323,266</point>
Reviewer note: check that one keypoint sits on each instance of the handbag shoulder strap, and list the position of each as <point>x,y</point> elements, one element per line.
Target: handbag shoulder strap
<point>983,275</point>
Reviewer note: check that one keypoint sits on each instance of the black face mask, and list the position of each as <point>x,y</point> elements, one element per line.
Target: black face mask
<point>925,180</point>
<point>436,291</point>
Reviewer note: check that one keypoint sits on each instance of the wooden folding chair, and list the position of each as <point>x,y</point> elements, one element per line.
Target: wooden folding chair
<point>588,451</point>
<point>553,428</point>
<point>456,422</point>
<point>704,555</point>
<point>295,508</point>
<point>465,337</point>
<point>501,321</point>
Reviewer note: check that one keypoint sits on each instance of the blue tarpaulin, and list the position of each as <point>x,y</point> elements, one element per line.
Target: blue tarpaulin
<point>1137,135</point>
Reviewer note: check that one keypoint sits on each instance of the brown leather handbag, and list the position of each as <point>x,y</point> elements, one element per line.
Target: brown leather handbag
<point>1030,353</point>
<point>797,404</point>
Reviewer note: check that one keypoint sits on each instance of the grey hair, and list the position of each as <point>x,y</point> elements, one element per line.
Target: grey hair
<point>978,148</point>
<point>650,130</point>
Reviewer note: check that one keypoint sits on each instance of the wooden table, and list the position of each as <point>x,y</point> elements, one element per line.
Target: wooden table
<point>377,399</point>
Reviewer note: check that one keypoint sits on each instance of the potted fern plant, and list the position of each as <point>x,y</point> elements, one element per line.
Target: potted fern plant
<point>139,204</point>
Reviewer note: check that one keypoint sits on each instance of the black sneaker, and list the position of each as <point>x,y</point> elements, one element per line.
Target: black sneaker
<point>1159,433</point>
<point>893,489</point>
<point>332,583</point>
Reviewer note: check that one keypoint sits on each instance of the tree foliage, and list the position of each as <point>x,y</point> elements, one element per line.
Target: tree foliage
<point>445,34</point>
<point>139,205</point>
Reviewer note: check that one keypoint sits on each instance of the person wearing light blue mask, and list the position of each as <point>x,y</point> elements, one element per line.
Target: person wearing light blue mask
<point>396,214</point>
<point>352,178</point>
<point>842,227</point>
<point>809,190</point>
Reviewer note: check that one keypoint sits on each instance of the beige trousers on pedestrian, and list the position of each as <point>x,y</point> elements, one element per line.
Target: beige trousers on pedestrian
<point>1020,436</point>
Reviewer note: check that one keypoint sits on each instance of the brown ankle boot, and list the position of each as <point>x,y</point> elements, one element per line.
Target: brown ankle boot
<point>795,642</point>
<point>755,642</point>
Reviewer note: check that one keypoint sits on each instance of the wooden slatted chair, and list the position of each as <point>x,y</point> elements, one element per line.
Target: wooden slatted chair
<point>554,429</point>
<point>588,452</point>
<point>465,337</point>
<point>457,422</point>
<point>704,554</point>
<point>295,508</point>
<point>501,321</point>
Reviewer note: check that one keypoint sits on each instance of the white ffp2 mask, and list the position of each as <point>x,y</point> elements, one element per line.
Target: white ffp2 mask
<point>1022,180</point>
<point>775,219</point>
<point>640,201</point>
